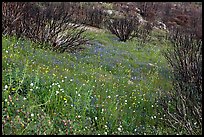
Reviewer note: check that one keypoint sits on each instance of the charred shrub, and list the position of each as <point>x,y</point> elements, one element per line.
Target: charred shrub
<point>45,23</point>
<point>144,33</point>
<point>182,107</point>
<point>124,28</point>
<point>94,17</point>
<point>12,15</point>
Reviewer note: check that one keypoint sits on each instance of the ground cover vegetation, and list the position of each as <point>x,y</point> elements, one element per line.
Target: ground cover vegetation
<point>129,75</point>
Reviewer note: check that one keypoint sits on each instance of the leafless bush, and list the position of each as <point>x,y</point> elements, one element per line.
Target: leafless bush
<point>94,16</point>
<point>183,106</point>
<point>145,32</point>
<point>124,28</point>
<point>12,14</point>
<point>48,23</point>
<point>149,10</point>
<point>90,13</point>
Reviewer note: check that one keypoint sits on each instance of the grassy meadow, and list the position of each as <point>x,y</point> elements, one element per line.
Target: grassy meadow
<point>110,87</point>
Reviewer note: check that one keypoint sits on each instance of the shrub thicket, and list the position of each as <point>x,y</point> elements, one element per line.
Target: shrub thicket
<point>182,107</point>
<point>48,23</point>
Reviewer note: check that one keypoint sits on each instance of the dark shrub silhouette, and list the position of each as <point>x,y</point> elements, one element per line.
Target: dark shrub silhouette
<point>183,106</point>
<point>45,23</point>
<point>124,28</point>
<point>94,17</point>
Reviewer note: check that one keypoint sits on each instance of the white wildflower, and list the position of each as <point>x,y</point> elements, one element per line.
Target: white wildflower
<point>31,84</point>
<point>6,87</point>
<point>150,64</point>
<point>130,82</point>
<point>79,116</point>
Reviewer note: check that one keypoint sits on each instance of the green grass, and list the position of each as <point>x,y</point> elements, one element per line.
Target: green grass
<point>111,87</point>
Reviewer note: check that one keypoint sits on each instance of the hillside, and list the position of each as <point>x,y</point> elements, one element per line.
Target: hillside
<point>101,68</point>
<point>107,76</point>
